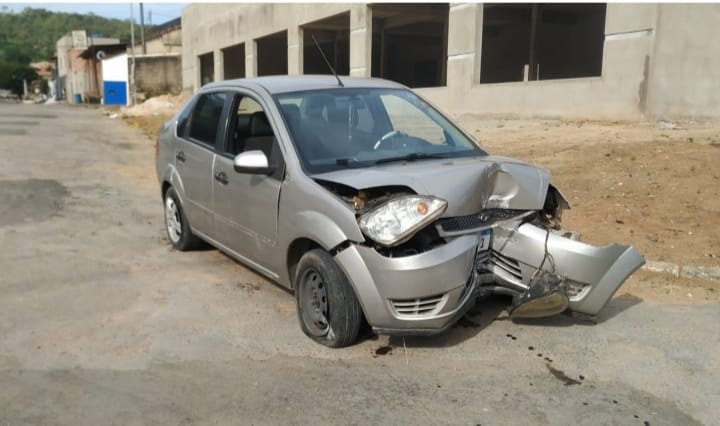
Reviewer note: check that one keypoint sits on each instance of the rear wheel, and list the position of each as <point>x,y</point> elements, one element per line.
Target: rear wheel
<point>176,224</point>
<point>328,309</point>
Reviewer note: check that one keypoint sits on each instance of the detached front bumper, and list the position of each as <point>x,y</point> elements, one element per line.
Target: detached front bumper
<point>592,274</point>
<point>428,292</point>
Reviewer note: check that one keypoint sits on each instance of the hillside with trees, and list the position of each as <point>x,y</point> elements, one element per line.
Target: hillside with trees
<point>33,32</point>
<point>31,35</point>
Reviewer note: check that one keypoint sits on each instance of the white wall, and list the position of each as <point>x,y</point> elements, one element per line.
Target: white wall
<point>116,68</point>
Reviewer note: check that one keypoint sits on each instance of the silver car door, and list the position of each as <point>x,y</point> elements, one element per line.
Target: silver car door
<point>194,156</point>
<point>245,205</point>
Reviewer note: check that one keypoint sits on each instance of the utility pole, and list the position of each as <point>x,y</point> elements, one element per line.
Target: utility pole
<point>132,55</point>
<point>142,29</point>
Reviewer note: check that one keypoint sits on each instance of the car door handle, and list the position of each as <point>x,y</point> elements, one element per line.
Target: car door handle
<point>180,156</point>
<point>222,178</point>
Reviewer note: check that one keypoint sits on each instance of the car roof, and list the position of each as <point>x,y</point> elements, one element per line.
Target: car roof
<point>296,83</point>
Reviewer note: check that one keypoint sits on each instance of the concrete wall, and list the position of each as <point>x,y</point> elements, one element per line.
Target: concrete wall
<point>168,42</point>
<point>616,94</point>
<point>657,59</point>
<point>212,27</point>
<point>158,74</point>
<point>685,65</point>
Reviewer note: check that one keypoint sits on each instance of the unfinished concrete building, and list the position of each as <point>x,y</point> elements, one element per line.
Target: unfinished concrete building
<point>618,61</point>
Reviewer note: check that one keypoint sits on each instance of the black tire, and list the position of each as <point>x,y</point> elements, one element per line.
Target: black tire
<point>321,287</point>
<point>176,224</point>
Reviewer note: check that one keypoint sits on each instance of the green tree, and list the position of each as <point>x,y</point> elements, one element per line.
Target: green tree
<point>12,76</point>
<point>35,31</point>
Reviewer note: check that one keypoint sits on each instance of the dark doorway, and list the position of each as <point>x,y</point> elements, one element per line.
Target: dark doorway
<point>333,36</point>
<point>234,61</point>
<point>549,40</point>
<point>409,43</point>
<point>207,68</point>
<point>272,54</point>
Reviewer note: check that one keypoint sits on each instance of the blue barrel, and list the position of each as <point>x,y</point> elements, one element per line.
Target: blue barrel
<point>77,98</point>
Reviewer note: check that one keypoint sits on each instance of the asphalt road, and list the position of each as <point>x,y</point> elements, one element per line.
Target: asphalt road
<point>102,323</point>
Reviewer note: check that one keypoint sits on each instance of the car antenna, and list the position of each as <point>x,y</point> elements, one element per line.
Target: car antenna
<point>327,62</point>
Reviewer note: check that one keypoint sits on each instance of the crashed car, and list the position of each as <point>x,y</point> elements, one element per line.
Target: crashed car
<point>371,205</point>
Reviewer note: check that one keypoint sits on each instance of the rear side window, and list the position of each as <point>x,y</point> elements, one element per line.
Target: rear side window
<point>183,120</point>
<point>206,117</point>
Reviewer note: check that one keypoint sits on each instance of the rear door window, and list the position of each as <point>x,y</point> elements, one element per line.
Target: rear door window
<point>206,117</point>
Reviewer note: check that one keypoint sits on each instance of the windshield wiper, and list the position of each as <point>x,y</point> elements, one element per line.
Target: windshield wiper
<point>348,162</point>
<point>411,157</point>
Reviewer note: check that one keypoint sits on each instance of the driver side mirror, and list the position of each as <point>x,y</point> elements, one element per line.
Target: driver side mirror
<point>252,162</point>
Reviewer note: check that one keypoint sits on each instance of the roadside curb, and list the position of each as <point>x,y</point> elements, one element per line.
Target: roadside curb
<point>709,273</point>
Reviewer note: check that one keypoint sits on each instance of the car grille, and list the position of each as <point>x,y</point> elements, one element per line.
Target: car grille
<point>507,264</point>
<point>417,307</point>
<point>478,221</point>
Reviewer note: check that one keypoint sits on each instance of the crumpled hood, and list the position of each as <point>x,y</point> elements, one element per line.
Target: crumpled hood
<point>468,184</point>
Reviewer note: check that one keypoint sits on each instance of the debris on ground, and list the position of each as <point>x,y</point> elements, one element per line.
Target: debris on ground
<point>158,105</point>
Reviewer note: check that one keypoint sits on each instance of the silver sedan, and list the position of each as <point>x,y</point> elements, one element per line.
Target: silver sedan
<point>372,206</point>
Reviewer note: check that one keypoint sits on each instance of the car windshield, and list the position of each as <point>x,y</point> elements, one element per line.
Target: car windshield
<point>343,128</point>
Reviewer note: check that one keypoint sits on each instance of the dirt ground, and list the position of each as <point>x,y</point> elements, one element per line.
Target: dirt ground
<point>657,189</point>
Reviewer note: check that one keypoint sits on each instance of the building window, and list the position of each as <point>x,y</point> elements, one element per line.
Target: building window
<point>333,36</point>
<point>409,43</point>
<point>234,62</point>
<point>541,41</point>
<point>207,68</point>
<point>272,54</point>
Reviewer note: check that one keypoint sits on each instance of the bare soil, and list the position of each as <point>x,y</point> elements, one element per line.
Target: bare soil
<point>635,183</point>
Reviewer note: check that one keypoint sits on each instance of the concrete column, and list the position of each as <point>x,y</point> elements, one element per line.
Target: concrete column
<point>360,40</point>
<point>464,45</point>
<point>250,58</point>
<point>295,52</point>
<point>198,72</point>
<point>219,65</point>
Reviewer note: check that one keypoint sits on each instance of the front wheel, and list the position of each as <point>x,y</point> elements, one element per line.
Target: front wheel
<point>328,309</point>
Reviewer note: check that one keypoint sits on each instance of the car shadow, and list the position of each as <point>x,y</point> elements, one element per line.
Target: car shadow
<point>494,309</point>
<point>614,307</point>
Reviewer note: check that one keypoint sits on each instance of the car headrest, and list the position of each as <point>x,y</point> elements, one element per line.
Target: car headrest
<point>313,106</point>
<point>259,125</point>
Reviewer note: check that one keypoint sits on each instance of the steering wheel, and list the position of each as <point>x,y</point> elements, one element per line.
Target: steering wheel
<point>389,135</point>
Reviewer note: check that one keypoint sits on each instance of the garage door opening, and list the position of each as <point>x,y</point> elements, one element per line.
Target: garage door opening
<point>207,68</point>
<point>234,62</point>
<point>541,41</point>
<point>333,36</point>
<point>409,43</point>
<point>272,54</point>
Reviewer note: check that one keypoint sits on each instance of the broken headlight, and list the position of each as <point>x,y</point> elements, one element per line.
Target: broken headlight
<point>397,220</point>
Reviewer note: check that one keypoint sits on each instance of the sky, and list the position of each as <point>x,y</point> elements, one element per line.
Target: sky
<point>158,12</point>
